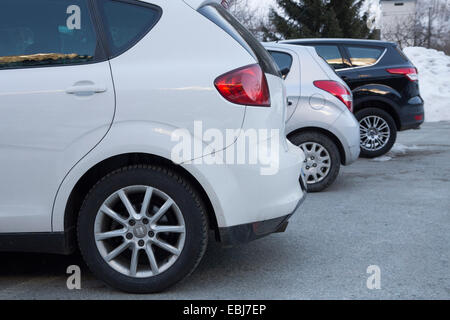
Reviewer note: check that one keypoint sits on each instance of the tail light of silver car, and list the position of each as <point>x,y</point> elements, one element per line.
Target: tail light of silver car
<point>337,90</point>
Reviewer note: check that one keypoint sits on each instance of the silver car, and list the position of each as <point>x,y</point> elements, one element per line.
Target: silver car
<point>319,118</point>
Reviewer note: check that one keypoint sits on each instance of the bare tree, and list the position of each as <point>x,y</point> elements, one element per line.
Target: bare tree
<point>407,31</point>
<point>250,16</point>
<point>428,27</point>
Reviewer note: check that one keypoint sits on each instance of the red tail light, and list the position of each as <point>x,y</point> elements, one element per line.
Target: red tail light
<point>247,86</point>
<point>338,90</point>
<point>410,73</point>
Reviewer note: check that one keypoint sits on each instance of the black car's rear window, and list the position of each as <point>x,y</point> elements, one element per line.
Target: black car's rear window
<point>363,56</point>
<point>402,55</point>
<point>225,20</point>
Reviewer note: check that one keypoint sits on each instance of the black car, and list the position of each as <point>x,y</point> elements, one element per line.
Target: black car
<point>385,88</point>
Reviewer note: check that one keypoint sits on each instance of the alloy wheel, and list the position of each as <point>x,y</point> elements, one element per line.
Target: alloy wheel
<point>140,231</point>
<point>375,133</point>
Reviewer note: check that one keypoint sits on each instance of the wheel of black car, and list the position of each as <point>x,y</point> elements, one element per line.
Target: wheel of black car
<point>323,161</point>
<point>142,229</point>
<point>378,132</point>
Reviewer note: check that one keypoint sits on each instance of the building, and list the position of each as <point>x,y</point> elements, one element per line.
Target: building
<point>396,14</point>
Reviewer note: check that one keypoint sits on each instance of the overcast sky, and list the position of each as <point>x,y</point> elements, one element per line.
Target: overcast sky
<point>262,3</point>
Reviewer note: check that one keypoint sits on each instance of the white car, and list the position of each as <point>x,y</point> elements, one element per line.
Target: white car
<point>92,96</point>
<point>319,118</point>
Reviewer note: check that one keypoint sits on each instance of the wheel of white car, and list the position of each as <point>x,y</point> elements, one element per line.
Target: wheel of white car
<point>323,161</point>
<point>142,229</point>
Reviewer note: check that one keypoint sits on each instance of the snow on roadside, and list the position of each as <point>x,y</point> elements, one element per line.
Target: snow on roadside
<point>382,159</point>
<point>434,77</point>
<point>397,149</point>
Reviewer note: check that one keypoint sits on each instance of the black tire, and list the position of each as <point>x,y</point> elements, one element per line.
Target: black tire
<point>187,200</point>
<point>360,115</point>
<point>317,137</point>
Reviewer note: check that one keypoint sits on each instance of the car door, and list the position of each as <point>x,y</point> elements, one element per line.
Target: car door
<point>56,104</point>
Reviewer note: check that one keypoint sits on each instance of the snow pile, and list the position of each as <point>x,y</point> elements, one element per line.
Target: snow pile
<point>434,76</point>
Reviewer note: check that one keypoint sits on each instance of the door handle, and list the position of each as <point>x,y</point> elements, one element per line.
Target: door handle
<point>85,89</point>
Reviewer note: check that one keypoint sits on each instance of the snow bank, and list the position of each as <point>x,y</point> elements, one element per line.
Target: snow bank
<point>434,77</point>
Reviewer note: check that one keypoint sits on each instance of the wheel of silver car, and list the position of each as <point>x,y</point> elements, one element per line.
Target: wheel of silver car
<point>375,133</point>
<point>140,231</point>
<point>317,164</point>
<point>322,158</point>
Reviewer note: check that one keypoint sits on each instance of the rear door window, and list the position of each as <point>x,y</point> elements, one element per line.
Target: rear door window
<point>127,22</point>
<point>41,33</point>
<point>332,55</point>
<point>364,56</point>
<point>401,54</point>
<point>283,60</point>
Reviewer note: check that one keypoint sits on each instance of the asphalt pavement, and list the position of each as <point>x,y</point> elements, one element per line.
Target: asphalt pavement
<point>393,213</point>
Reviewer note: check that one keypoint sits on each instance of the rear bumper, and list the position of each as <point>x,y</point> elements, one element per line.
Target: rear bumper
<point>245,233</point>
<point>243,194</point>
<point>412,115</point>
<point>346,129</point>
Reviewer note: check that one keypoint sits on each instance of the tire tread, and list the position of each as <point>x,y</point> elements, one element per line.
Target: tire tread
<point>177,178</point>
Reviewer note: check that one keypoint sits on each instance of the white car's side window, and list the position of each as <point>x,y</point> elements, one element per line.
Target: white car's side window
<point>47,33</point>
<point>127,23</point>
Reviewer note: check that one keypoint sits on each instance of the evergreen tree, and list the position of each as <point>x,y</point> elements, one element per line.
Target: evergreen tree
<point>317,19</point>
<point>348,14</point>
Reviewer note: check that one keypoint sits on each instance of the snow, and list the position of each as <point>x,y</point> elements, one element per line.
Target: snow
<point>397,149</point>
<point>373,9</point>
<point>434,77</point>
<point>382,159</point>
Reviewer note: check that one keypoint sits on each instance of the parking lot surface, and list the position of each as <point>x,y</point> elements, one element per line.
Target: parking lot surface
<point>392,212</point>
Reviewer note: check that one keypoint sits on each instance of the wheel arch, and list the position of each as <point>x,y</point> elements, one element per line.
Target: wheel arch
<point>325,132</point>
<point>101,169</point>
<point>383,104</point>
